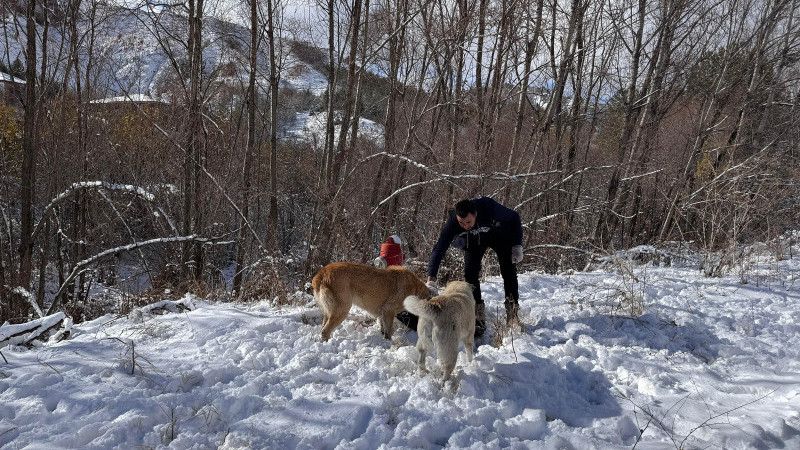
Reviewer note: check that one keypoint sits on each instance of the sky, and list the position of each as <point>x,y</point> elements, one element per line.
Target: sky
<point>711,363</point>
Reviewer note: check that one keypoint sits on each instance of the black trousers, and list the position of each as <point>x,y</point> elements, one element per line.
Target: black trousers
<point>473,259</point>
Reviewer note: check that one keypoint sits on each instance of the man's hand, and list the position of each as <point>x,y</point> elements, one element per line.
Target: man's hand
<point>433,288</point>
<point>516,254</point>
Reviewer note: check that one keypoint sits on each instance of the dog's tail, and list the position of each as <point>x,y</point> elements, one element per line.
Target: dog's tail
<point>421,307</point>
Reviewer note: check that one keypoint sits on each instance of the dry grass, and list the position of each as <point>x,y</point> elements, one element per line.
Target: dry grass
<point>499,329</point>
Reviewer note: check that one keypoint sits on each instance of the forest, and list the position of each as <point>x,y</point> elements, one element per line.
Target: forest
<point>148,141</point>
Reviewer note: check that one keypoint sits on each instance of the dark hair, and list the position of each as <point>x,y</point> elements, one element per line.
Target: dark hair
<point>465,208</point>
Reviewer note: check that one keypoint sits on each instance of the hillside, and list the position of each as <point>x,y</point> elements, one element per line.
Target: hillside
<point>133,52</point>
<point>137,52</point>
<point>712,363</point>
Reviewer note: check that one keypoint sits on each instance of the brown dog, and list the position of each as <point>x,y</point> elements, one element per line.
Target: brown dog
<point>380,292</point>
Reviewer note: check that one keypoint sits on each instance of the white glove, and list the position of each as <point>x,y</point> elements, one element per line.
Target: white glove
<point>516,254</point>
<point>433,288</point>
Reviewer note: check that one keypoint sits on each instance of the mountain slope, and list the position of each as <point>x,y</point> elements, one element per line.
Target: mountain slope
<point>711,363</point>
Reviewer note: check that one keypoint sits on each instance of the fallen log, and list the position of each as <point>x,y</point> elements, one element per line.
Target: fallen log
<point>57,325</point>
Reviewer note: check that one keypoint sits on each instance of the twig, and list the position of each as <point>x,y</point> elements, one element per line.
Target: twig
<point>651,418</point>
<point>86,185</point>
<point>511,333</point>
<point>706,422</point>
<point>47,364</point>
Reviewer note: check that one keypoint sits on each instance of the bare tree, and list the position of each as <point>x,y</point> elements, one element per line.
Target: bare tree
<point>274,80</point>
<point>251,145</point>
<point>29,156</point>
<point>192,165</point>
<point>607,220</point>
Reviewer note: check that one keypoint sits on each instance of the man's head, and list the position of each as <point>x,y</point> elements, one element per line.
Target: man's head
<point>466,214</point>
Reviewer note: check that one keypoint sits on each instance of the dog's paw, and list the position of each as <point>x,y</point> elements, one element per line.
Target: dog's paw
<point>452,384</point>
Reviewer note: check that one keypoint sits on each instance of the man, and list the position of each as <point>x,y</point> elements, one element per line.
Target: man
<point>474,226</point>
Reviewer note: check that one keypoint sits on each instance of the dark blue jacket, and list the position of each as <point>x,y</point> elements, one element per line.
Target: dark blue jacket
<point>495,225</point>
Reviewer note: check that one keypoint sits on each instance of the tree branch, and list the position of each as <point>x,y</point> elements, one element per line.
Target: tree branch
<point>85,185</point>
<point>79,267</point>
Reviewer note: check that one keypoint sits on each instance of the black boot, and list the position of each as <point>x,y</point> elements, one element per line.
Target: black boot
<point>512,314</point>
<point>408,319</point>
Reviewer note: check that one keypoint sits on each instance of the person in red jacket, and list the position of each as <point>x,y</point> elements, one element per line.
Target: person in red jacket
<point>475,226</point>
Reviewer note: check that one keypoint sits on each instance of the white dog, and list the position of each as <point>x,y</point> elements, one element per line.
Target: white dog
<point>445,321</point>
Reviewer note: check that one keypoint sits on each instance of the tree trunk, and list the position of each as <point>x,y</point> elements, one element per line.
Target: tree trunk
<point>28,174</point>
<point>330,144</point>
<point>274,80</point>
<point>522,101</point>
<point>349,100</point>
<point>480,90</point>
<point>192,161</point>
<point>249,150</point>
<point>496,95</point>
<point>455,95</point>
<point>607,219</point>
<point>766,26</point>
<point>82,201</point>
<point>322,240</point>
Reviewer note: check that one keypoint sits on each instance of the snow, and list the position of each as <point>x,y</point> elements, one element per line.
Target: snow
<point>132,98</point>
<point>6,78</point>
<point>711,363</point>
<point>301,76</point>
<point>20,333</point>
<point>21,292</point>
<point>310,127</point>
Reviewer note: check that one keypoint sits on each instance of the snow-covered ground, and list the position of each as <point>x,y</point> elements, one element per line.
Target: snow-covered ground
<point>712,363</point>
<point>310,128</point>
<point>301,76</point>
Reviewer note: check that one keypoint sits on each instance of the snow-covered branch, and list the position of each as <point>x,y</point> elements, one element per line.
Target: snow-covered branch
<point>641,175</point>
<point>561,182</point>
<point>25,333</point>
<point>21,292</point>
<point>86,185</point>
<point>402,189</point>
<point>562,247</point>
<point>721,177</point>
<point>81,265</point>
<point>543,219</point>
<point>357,165</point>
<point>442,177</point>
<point>130,232</point>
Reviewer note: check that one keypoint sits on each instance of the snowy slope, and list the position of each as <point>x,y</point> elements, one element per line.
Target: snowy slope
<point>132,50</point>
<point>713,363</point>
<point>131,60</point>
<point>310,128</point>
